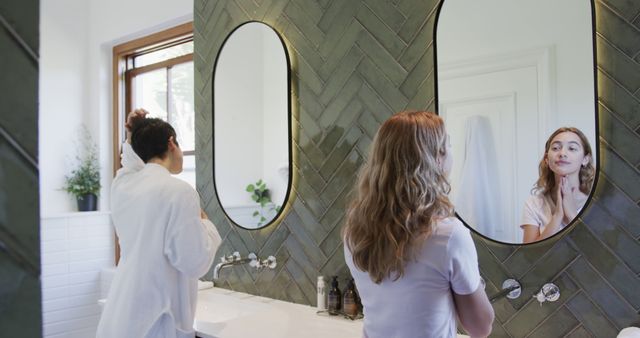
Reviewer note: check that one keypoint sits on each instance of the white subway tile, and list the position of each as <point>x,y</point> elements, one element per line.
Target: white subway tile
<point>84,277</point>
<point>53,234</point>
<point>71,325</point>
<point>89,232</point>
<point>56,304</point>
<point>53,246</point>
<point>94,265</point>
<point>70,313</point>
<point>85,333</point>
<point>54,269</point>
<point>51,223</point>
<point>90,220</point>
<point>54,258</point>
<point>75,249</point>
<point>89,254</point>
<point>90,243</point>
<point>52,282</point>
<point>84,289</point>
<point>55,293</point>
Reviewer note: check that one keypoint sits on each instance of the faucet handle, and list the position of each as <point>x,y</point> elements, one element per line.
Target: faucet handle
<point>254,260</point>
<point>235,256</point>
<point>258,263</point>
<point>270,262</point>
<point>549,293</point>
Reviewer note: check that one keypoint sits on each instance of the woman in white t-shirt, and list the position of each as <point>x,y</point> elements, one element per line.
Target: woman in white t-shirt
<point>566,176</point>
<point>414,263</point>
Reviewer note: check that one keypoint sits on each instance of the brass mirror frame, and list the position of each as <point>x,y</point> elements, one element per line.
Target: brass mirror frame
<point>279,215</point>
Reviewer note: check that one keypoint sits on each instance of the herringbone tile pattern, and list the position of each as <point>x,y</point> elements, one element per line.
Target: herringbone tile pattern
<point>20,296</point>
<point>354,63</point>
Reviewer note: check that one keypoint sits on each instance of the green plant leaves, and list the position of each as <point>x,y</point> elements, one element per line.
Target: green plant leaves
<point>260,194</point>
<point>85,179</point>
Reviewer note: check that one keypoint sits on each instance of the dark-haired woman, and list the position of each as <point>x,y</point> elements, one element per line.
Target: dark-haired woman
<point>566,176</point>
<point>166,240</point>
<point>414,263</point>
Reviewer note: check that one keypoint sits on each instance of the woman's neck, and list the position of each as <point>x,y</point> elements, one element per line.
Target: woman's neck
<point>166,162</point>
<point>573,180</point>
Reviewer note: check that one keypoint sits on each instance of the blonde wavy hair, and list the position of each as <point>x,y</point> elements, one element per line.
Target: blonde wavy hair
<point>546,183</point>
<point>401,193</point>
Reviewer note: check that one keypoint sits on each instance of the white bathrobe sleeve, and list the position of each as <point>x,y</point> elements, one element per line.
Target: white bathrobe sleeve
<point>190,242</point>
<point>129,160</point>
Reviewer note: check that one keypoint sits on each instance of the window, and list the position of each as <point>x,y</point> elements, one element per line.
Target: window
<point>156,73</point>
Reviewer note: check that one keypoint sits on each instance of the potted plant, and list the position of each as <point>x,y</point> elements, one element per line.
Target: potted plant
<point>84,181</point>
<point>261,195</point>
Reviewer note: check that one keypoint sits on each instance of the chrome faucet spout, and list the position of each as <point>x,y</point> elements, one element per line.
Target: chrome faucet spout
<point>222,265</point>
<point>510,288</point>
<point>503,293</point>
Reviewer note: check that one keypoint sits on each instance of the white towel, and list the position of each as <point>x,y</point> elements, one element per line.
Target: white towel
<point>478,194</point>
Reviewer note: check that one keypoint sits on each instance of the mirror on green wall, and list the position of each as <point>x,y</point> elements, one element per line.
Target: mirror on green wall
<point>509,74</point>
<point>251,125</point>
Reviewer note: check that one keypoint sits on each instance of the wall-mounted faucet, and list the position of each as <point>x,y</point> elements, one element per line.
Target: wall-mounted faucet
<point>235,259</point>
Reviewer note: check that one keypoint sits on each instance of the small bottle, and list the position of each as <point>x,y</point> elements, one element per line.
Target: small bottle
<point>350,300</point>
<point>322,294</point>
<point>333,301</point>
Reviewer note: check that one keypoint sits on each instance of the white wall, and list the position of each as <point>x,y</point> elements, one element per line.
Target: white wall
<point>64,40</point>
<point>76,40</point>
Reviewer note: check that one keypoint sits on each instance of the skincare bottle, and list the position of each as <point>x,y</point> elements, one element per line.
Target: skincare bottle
<point>322,294</point>
<point>349,300</point>
<point>333,301</point>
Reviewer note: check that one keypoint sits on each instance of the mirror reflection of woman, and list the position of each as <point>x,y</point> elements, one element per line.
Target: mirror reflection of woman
<point>414,263</point>
<point>566,176</point>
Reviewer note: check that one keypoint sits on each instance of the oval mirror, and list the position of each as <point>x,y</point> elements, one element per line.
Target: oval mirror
<point>251,125</point>
<point>510,74</point>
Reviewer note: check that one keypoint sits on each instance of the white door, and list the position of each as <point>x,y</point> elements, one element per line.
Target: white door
<point>493,120</point>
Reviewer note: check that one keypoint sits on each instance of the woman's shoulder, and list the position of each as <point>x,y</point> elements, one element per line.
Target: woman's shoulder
<point>535,199</point>
<point>177,188</point>
<point>450,227</point>
<point>183,188</point>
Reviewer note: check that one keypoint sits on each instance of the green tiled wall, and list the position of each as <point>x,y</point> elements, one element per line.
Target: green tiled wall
<point>20,296</point>
<point>355,62</point>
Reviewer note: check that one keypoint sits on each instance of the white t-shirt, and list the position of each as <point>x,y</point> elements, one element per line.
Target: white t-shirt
<point>537,212</point>
<point>420,304</point>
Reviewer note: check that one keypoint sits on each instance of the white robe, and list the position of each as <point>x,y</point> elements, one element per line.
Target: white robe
<point>165,248</point>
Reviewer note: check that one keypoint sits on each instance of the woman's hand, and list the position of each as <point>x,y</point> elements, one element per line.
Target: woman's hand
<point>131,118</point>
<point>558,213</point>
<point>568,201</point>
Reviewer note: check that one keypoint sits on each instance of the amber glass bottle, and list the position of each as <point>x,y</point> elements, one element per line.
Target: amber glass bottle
<point>333,300</point>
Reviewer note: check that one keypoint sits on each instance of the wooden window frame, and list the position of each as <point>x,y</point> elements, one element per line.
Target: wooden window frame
<point>121,102</point>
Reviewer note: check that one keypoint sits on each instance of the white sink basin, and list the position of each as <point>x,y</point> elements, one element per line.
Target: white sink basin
<point>227,314</point>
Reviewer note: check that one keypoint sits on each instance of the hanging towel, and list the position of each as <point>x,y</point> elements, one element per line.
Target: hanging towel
<point>478,193</point>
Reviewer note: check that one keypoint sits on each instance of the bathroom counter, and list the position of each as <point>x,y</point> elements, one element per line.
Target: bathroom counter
<point>223,313</point>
